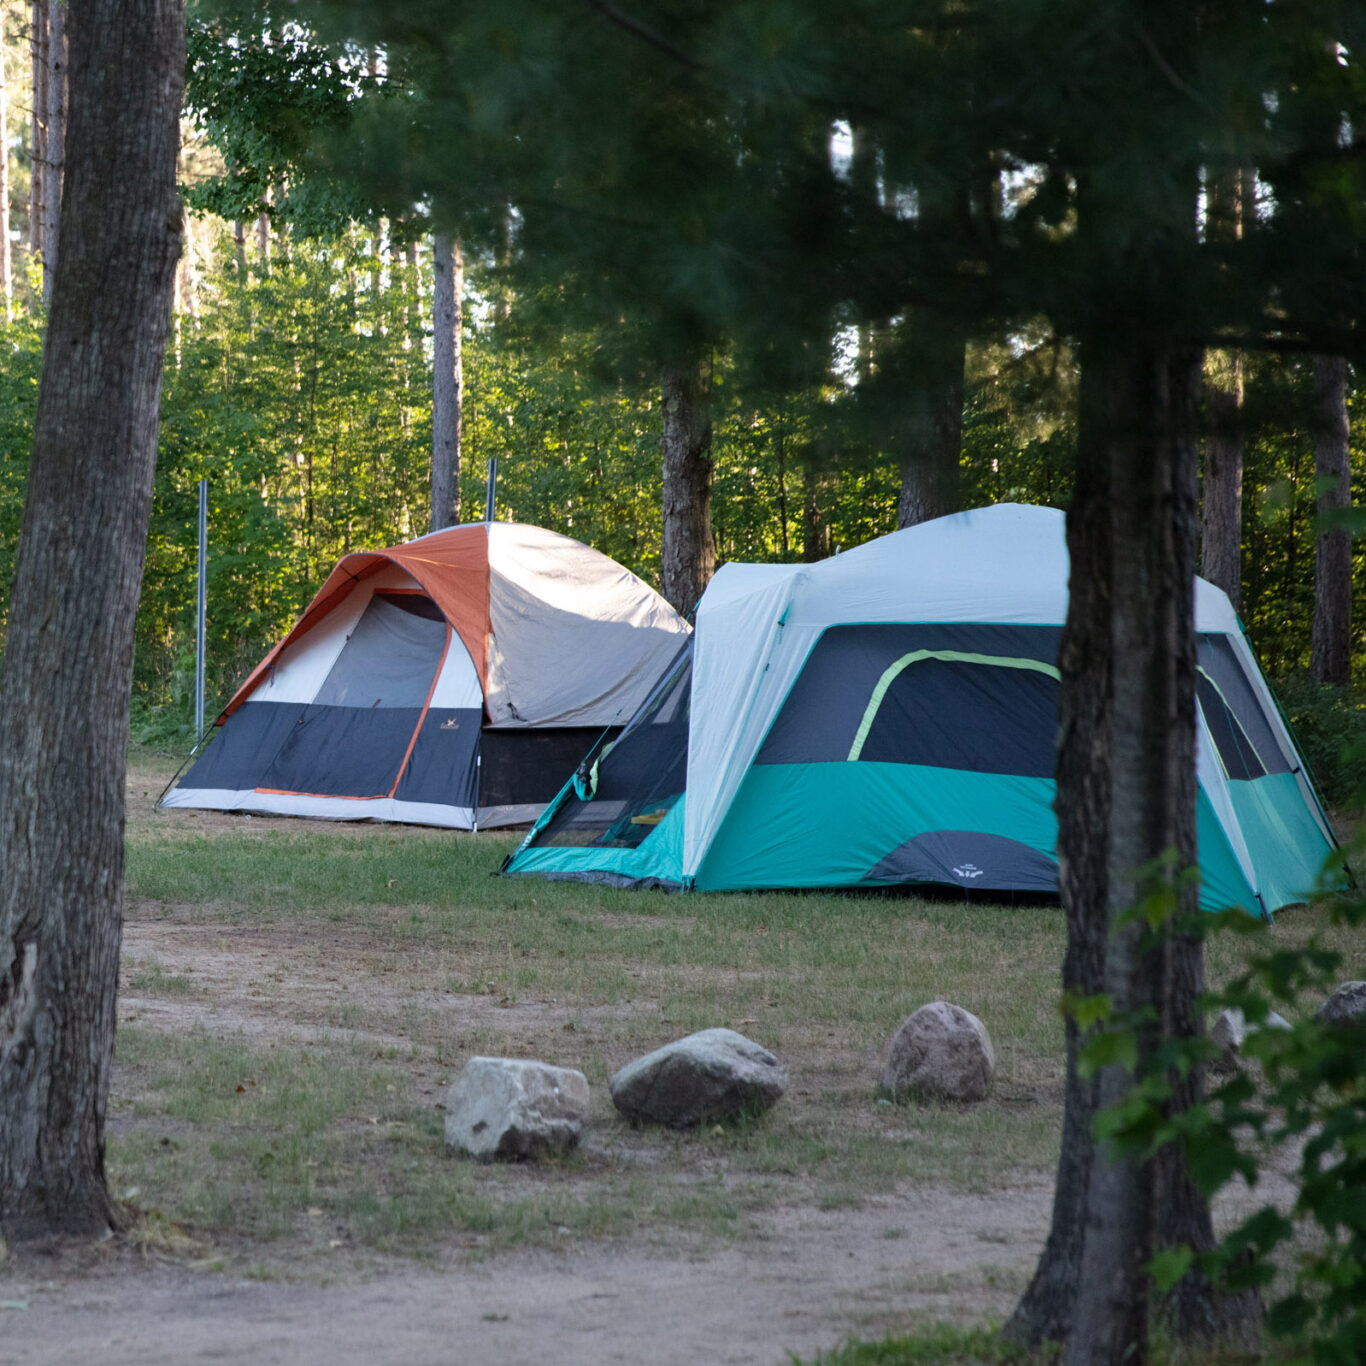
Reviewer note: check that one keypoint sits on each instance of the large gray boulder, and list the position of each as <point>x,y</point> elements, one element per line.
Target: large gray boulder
<point>511,1108</point>
<point>1231,1031</point>
<point>713,1074</point>
<point>940,1052</point>
<point>1348,1002</point>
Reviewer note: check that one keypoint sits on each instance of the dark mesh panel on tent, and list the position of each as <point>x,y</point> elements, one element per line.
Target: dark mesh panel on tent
<point>351,740</point>
<point>524,765</point>
<point>952,696</point>
<point>389,660</point>
<point>1239,727</point>
<point>622,794</point>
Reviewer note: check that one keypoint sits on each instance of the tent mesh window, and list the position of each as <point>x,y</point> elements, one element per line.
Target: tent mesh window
<point>1238,725</point>
<point>976,696</point>
<point>621,793</point>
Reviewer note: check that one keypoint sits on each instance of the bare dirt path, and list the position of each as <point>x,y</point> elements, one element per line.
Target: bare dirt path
<point>808,1281</point>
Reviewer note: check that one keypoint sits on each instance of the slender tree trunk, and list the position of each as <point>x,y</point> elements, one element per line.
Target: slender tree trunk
<point>448,388</point>
<point>1221,511</point>
<point>37,193</point>
<point>688,552</point>
<point>1221,539</point>
<point>69,651</point>
<point>1331,655</point>
<point>815,528</point>
<point>6,261</point>
<point>930,481</point>
<point>56,140</point>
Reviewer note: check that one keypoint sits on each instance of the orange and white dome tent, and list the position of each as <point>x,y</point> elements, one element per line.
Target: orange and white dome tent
<point>448,681</point>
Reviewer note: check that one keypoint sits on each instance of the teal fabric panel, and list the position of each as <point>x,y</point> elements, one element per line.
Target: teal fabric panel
<point>659,855</point>
<point>827,825</point>
<point>1222,883</point>
<point>1284,839</point>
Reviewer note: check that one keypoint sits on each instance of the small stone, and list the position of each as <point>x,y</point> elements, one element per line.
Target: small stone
<point>940,1052</point>
<point>513,1108</point>
<point>711,1075</point>
<point>1347,1003</point>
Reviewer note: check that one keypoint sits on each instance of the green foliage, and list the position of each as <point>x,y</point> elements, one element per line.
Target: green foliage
<point>1299,1096</point>
<point>21,358</point>
<point>938,1345</point>
<point>1330,726</point>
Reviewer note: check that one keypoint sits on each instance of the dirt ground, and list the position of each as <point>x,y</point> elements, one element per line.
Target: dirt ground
<point>802,1280</point>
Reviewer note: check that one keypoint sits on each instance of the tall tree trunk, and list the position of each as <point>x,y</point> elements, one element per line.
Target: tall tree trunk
<point>56,140</point>
<point>6,260</point>
<point>1330,659</point>
<point>37,198</point>
<point>448,380</point>
<point>1221,503</point>
<point>930,480</point>
<point>69,651</point>
<point>1126,763</point>
<point>1126,797</point>
<point>1221,491</point>
<point>687,553</point>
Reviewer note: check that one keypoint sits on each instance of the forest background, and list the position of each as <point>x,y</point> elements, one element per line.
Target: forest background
<point>299,384</point>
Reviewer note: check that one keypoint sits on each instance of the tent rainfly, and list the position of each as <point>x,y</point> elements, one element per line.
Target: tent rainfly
<point>448,681</point>
<point>889,716</point>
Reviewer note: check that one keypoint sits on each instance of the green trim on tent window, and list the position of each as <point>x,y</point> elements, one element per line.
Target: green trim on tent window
<point>1242,729</point>
<point>894,670</point>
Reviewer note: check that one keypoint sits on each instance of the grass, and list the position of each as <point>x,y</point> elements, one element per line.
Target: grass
<point>317,987</point>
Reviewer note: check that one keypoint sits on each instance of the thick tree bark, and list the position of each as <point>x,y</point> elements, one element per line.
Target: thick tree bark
<point>56,141</point>
<point>1330,659</point>
<point>69,650</point>
<point>1126,797</point>
<point>448,379</point>
<point>1221,502</point>
<point>930,481</point>
<point>688,552</point>
<point>1126,763</point>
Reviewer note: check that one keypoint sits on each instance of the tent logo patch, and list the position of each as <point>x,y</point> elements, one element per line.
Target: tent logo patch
<point>968,871</point>
<point>452,724</point>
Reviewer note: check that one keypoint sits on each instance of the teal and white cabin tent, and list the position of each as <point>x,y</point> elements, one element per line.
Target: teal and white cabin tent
<point>889,716</point>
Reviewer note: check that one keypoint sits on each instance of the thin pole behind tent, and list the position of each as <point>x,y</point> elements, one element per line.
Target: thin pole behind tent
<point>200,604</point>
<point>492,486</point>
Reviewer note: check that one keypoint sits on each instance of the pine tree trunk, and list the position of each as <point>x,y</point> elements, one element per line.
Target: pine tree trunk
<point>69,650</point>
<point>37,209</point>
<point>1126,763</point>
<point>1126,796</point>
<point>1221,490</point>
<point>1331,654</point>
<point>6,260</point>
<point>930,480</point>
<point>56,141</point>
<point>448,289</point>
<point>687,553</point>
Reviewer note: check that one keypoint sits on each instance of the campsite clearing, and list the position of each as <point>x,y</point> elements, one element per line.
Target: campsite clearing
<point>296,997</point>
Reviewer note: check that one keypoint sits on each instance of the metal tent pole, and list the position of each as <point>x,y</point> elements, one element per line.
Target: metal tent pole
<point>492,486</point>
<point>201,601</point>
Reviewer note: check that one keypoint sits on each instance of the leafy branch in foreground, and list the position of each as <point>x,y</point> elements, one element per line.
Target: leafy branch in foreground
<point>1296,1103</point>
